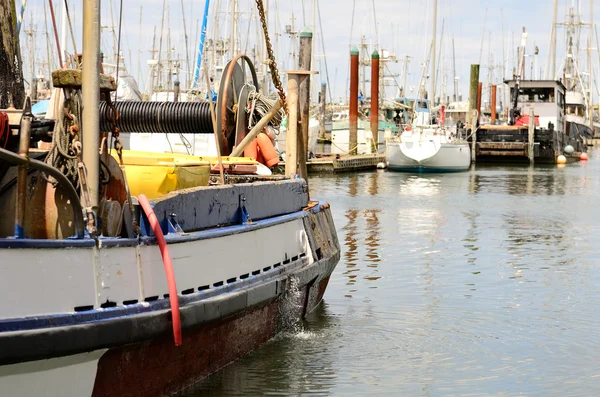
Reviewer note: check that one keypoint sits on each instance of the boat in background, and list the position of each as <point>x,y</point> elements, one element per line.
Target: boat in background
<point>428,149</point>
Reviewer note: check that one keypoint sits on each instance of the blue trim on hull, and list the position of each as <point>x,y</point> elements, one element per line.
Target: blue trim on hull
<point>171,238</point>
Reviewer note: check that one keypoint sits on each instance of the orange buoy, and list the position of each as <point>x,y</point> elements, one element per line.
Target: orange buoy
<point>252,150</point>
<point>561,160</point>
<point>271,134</point>
<point>267,150</point>
<point>584,157</point>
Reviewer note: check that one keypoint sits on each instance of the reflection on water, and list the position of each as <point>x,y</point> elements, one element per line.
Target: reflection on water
<point>477,283</point>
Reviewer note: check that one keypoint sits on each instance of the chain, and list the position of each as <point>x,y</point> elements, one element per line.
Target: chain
<point>271,60</point>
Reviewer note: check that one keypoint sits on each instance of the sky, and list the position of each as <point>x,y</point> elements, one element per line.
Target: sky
<point>484,31</point>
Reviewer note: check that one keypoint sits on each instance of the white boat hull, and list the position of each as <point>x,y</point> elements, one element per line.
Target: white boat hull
<point>450,157</point>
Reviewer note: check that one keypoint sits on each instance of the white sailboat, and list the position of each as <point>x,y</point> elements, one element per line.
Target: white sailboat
<point>428,147</point>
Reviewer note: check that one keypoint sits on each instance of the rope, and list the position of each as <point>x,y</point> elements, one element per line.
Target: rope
<point>272,64</point>
<point>70,25</point>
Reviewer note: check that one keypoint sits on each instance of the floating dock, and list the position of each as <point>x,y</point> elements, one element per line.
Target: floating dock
<point>344,163</point>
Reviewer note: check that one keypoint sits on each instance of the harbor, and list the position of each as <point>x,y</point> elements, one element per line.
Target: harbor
<point>260,197</point>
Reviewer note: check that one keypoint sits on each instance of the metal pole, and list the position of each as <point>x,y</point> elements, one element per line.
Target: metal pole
<point>375,100</point>
<point>433,71</point>
<point>353,146</point>
<point>24,143</point>
<point>291,150</point>
<point>306,37</point>
<point>91,97</point>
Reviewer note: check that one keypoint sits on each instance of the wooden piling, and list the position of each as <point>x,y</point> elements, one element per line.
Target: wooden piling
<point>304,100</point>
<point>375,100</point>
<point>353,101</point>
<point>473,114</point>
<point>494,90</point>
<point>479,92</point>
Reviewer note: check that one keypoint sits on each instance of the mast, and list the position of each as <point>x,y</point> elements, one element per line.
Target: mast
<point>139,72</point>
<point>454,76</point>
<point>48,50</point>
<point>553,41</point>
<point>590,108</point>
<point>187,51</point>
<point>201,46</point>
<point>434,39</point>
<point>232,42</point>
<point>91,97</point>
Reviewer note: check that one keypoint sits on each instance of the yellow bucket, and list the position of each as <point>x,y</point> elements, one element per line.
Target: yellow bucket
<point>156,174</point>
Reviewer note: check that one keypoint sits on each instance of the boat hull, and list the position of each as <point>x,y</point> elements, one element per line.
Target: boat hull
<point>129,350</point>
<point>451,157</point>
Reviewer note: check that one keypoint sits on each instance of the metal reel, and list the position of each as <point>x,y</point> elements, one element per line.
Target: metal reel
<point>232,101</point>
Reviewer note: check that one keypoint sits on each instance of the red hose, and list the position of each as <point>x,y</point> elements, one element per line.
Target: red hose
<point>4,128</point>
<point>164,251</point>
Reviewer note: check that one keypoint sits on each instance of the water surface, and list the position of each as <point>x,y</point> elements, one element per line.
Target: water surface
<point>484,283</point>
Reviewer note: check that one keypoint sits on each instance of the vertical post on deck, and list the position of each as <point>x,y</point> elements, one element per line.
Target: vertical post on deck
<point>91,98</point>
<point>304,62</point>
<point>291,139</point>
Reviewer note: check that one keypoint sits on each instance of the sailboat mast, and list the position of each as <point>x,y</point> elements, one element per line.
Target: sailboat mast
<point>232,43</point>
<point>187,50</point>
<point>454,77</point>
<point>139,71</point>
<point>590,109</point>
<point>554,40</point>
<point>434,38</point>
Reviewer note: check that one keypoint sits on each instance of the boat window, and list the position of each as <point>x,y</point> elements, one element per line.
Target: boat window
<point>411,103</point>
<point>536,95</point>
<point>422,105</point>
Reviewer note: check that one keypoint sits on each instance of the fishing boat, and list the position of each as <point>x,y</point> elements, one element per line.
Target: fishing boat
<point>138,274</point>
<point>537,130</point>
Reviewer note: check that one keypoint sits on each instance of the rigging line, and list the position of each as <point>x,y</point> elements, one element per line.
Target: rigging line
<point>70,25</point>
<point>55,33</point>
<point>376,26</point>
<point>48,43</point>
<point>119,48</point>
<point>324,52</point>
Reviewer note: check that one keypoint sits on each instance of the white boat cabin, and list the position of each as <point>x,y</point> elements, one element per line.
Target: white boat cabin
<point>546,97</point>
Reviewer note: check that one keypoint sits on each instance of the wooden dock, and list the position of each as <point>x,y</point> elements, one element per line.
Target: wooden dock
<point>344,163</point>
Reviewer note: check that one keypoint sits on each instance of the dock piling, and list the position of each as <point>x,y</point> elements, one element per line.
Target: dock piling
<point>353,105</point>
<point>473,108</point>
<point>493,109</point>
<point>375,100</point>
<point>531,136</point>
